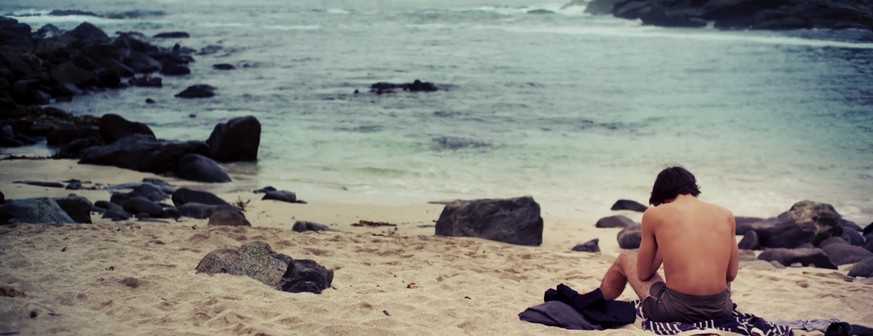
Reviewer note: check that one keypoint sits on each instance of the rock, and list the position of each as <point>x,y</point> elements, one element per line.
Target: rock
<point>112,211</point>
<point>282,195</point>
<point>750,241</point>
<point>264,190</point>
<point>805,256</point>
<point>589,246</point>
<point>303,226</point>
<point>88,32</point>
<point>197,91</point>
<point>630,237</point>
<point>258,261</point>
<point>2,198</point>
<point>148,191</point>
<point>114,127</point>
<point>822,217</point>
<point>745,224</point>
<point>142,207</point>
<point>868,230</point>
<point>415,86</point>
<point>199,168</point>
<point>41,184</point>
<point>864,268</point>
<point>63,136</point>
<point>228,218</point>
<point>74,149</point>
<point>514,221</point>
<point>174,69</point>
<point>177,34</point>
<point>599,7</point>
<point>841,252</point>
<point>853,236</point>
<point>236,140</point>
<point>785,235</point>
<point>146,81</point>
<point>41,210</point>
<point>77,207</point>
<point>143,153</point>
<point>200,210</point>
<point>624,204</point>
<point>614,221</point>
<point>223,66</point>
<point>184,196</point>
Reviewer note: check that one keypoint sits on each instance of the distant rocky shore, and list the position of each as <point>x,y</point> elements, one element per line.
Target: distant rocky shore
<point>742,14</point>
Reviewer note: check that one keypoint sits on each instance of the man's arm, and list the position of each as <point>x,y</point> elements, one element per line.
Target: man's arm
<point>734,263</point>
<point>649,258</point>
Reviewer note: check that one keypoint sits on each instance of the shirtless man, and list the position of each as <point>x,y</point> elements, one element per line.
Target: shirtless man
<point>695,242</point>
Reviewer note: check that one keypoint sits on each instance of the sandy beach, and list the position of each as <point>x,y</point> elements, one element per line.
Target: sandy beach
<point>137,277</point>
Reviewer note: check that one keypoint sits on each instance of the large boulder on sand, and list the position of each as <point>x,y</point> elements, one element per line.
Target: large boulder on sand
<point>196,167</point>
<point>842,253</point>
<point>258,261</point>
<point>864,268</point>
<point>806,222</point>
<point>236,140</point>
<point>228,218</point>
<point>630,237</point>
<point>632,205</point>
<point>614,221</point>
<point>143,153</point>
<point>114,127</point>
<point>41,210</point>
<point>183,196</point>
<point>514,221</point>
<point>77,207</point>
<point>804,256</point>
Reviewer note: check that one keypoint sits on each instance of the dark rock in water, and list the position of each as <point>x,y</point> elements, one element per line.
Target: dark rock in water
<point>74,149</point>
<point>281,195</point>
<point>173,69</point>
<point>223,66</point>
<point>540,11</point>
<point>455,143</point>
<point>624,204</point>
<point>841,252</point>
<point>598,7</point>
<point>630,237</point>
<point>197,167</point>
<point>88,32</point>
<point>143,153</point>
<point>2,198</point>
<point>805,256</point>
<point>41,210</point>
<point>41,184</point>
<point>183,196</point>
<point>416,86</point>
<point>197,91</point>
<point>228,218</point>
<point>614,221</point>
<point>236,140</point>
<point>150,101</point>
<point>140,205</point>
<point>864,268</point>
<point>514,221</point>
<point>60,137</point>
<point>71,12</point>
<point>303,226</point>
<point>114,127</point>
<point>178,34</point>
<point>258,261</point>
<point>146,81</point>
<point>264,190</point>
<point>742,14</point>
<point>200,210</point>
<point>750,241</point>
<point>77,207</point>
<point>70,73</point>
<point>589,246</point>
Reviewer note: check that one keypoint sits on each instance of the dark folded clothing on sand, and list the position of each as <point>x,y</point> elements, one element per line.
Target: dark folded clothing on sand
<point>587,311</point>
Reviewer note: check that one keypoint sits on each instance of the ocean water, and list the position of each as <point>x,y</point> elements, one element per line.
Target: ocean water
<point>538,99</point>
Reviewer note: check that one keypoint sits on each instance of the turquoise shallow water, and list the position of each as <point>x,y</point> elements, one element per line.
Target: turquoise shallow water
<point>575,110</point>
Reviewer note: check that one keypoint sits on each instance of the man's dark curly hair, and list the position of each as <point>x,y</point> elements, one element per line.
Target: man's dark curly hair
<point>672,182</point>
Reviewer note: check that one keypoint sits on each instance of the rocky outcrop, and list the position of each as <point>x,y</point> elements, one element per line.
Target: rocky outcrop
<point>114,127</point>
<point>258,261</point>
<point>742,14</point>
<point>197,91</point>
<point>143,153</point>
<point>41,210</point>
<point>184,196</point>
<point>842,253</point>
<point>806,222</point>
<point>236,140</point>
<point>77,207</point>
<point>614,222</point>
<point>864,268</point>
<point>514,221</point>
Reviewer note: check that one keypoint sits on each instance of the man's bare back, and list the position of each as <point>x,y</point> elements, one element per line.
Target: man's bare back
<point>696,242</point>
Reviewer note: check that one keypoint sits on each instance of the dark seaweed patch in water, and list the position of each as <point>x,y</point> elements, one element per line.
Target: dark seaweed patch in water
<point>447,114</point>
<point>362,129</point>
<point>455,143</point>
<point>131,14</point>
